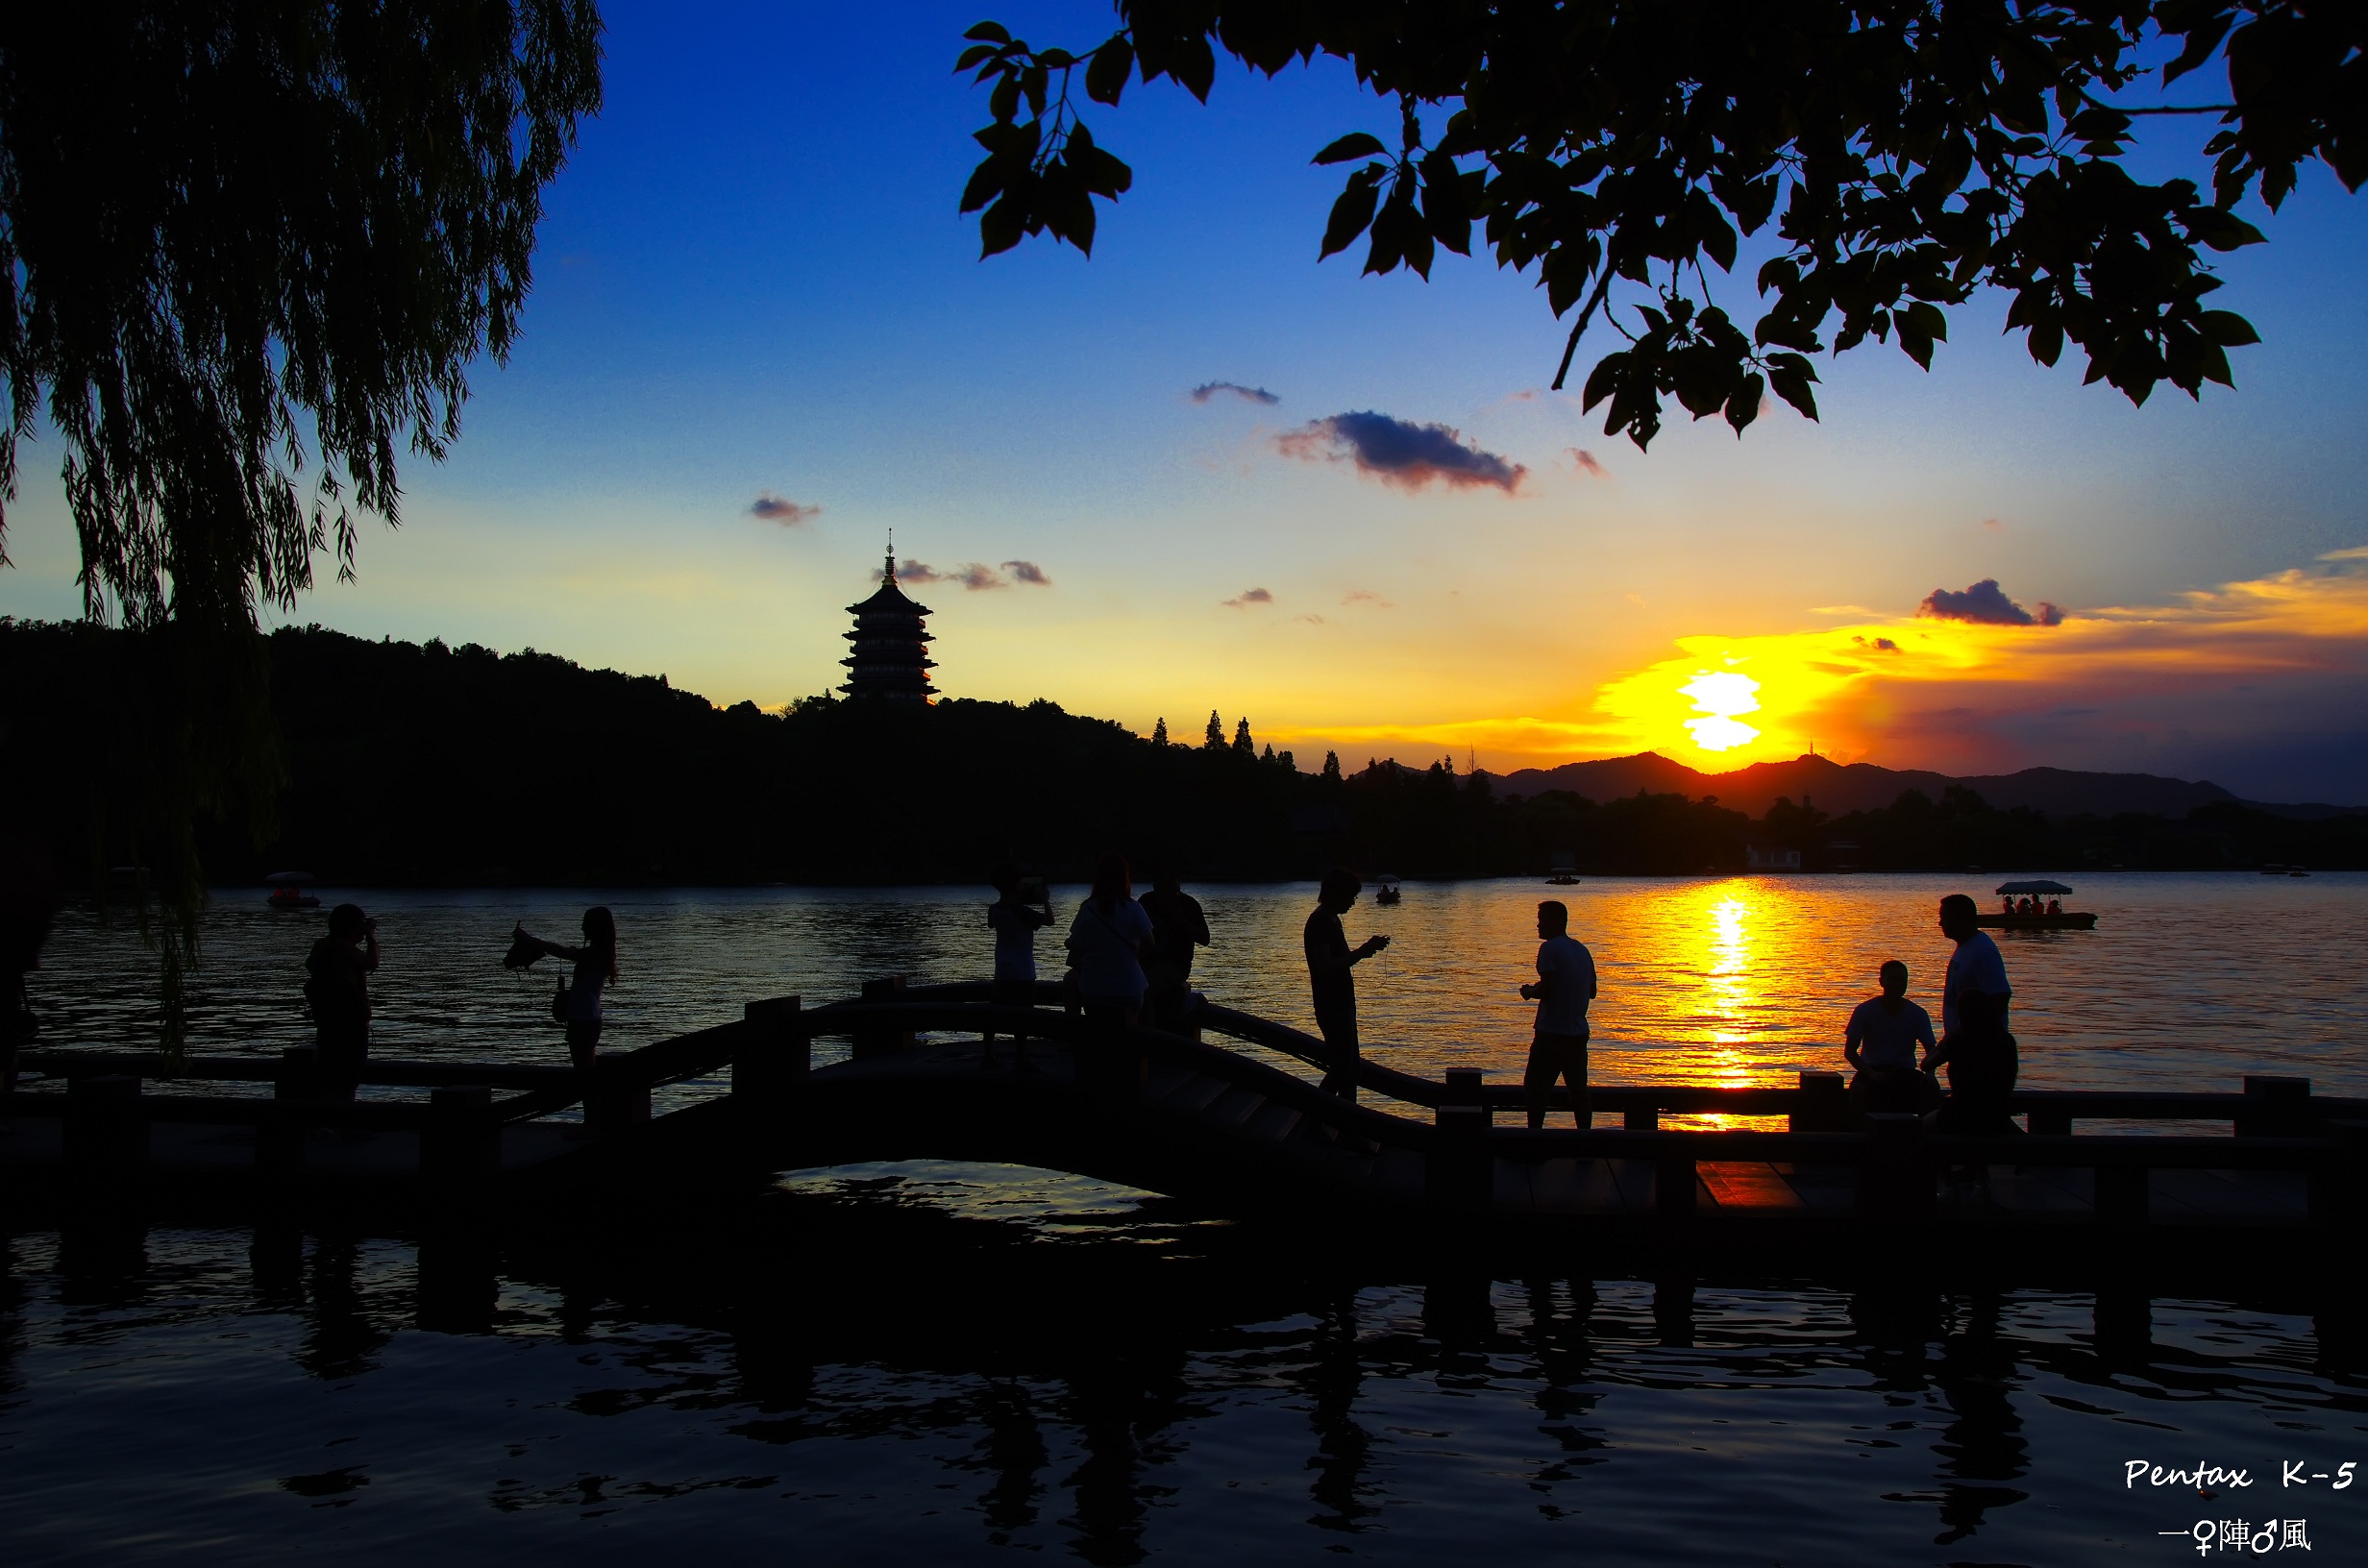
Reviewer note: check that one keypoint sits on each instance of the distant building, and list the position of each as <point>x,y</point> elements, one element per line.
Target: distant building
<point>891,657</point>
<point>1769,857</point>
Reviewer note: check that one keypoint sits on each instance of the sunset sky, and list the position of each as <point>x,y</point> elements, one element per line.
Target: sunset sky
<point>761,338</point>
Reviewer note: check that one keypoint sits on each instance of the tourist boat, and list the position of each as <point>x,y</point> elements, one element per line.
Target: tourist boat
<point>2067,921</point>
<point>287,890</point>
<point>1385,889</point>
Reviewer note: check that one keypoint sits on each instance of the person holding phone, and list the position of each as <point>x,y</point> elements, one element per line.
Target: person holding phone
<point>1329,960</point>
<point>338,985</point>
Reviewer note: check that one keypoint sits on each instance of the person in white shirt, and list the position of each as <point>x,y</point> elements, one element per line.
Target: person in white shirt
<point>1880,1043</point>
<point>1566,985</point>
<point>1975,1045</point>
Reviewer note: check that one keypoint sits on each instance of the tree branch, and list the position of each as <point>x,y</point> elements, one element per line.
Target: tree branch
<point>1603,286</point>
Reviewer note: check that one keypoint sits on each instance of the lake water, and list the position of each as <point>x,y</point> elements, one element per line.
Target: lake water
<point>938,1362</point>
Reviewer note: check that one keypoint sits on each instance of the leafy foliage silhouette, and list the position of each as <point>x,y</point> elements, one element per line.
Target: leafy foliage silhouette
<point>237,242</point>
<point>1906,155</point>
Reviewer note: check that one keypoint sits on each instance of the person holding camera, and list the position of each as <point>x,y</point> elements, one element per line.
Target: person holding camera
<point>337,984</point>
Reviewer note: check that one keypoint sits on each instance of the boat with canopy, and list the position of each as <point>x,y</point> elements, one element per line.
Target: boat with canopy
<point>2043,914</point>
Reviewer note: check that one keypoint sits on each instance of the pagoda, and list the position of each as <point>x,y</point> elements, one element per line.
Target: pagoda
<point>891,657</point>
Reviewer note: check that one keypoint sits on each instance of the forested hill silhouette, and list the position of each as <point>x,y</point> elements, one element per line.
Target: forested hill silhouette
<point>457,766</point>
<point>1837,789</point>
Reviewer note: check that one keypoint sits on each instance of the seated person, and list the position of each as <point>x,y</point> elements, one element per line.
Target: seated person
<point>2055,906</point>
<point>1880,1044</point>
<point>2006,905</point>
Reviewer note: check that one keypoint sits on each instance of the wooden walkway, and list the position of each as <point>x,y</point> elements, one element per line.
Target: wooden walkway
<point>1227,1129</point>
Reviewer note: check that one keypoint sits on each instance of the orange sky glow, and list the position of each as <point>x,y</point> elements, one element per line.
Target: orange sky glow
<point>1894,691</point>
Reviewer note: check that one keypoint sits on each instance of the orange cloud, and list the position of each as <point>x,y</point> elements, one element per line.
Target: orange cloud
<point>1940,690</point>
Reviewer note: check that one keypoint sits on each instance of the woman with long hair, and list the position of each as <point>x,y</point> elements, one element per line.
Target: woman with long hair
<point>596,965</point>
<point>1107,941</point>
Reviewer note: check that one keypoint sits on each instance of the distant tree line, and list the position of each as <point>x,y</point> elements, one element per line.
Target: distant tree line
<point>405,763</point>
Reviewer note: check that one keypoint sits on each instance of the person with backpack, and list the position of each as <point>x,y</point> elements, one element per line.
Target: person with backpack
<point>1107,942</point>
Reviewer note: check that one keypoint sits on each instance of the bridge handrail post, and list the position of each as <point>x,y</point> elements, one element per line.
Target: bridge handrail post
<point>1673,1185</point>
<point>2285,1107</point>
<point>104,1136</point>
<point>2051,1122</point>
<point>1895,1173</point>
<point>2339,1179</point>
<point>460,1146</point>
<point>617,1100</point>
<point>878,1041</point>
<point>774,1055</point>
<point>2123,1194</point>
<point>1824,1103</point>
<point>1459,1170</point>
<point>280,1136</point>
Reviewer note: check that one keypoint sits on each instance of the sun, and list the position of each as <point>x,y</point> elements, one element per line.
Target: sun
<point>1722,696</point>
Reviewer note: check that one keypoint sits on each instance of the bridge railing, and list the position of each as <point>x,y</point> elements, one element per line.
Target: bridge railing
<point>1817,1101</point>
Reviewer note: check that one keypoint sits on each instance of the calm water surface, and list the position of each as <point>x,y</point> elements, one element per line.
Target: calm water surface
<point>932,1362</point>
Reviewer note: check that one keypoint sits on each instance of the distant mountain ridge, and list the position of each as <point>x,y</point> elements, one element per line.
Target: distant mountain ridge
<point>1837,789</point>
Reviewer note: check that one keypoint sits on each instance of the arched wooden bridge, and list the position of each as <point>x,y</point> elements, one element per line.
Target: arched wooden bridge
<point>1220,1121</point>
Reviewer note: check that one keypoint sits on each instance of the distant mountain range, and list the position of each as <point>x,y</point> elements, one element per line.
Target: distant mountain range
<point>1837,789</point>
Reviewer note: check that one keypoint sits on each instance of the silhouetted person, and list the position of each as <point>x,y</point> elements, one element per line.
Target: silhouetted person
<point>338,985</point>
<point>2055,906</point>
<point>1975,1045</point>
<point>1566,985</point>
<point>1329,959</point>
<point>28,902</point>
<point>596,965</point>
<point>1177,927</point>
<point>1880,1043</point>
<point>1107,942</point>
<point>1014,922</point>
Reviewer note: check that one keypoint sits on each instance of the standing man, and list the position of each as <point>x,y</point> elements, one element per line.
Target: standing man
<point>1329,959</point>
<point>1178,925</point>
<point>339,968</point>
<point>1566,985</point>
<point>1979,1053</point>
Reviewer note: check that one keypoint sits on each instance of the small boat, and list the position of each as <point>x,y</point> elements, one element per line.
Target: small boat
<point>1566,871</point>
<point>1385,889</point>
<point>287,890</point>
<point>2296,871</point>
<point>2060,920</point>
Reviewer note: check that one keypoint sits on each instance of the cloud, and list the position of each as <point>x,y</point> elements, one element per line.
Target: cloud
<point>1249,595</point>
<point>1401,453</point>
<point>1247,394</point>
<point>773,508</point>
<point>1310,617</point>
<point>971,575</point>
<point>1984,605</point>
<point>1587,462</point>
<point>1881,645</point>
<point>1367,595</point>
<point>1994,525</point>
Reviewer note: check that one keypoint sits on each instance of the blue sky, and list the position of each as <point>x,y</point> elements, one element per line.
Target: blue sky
<point>754,279</point>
